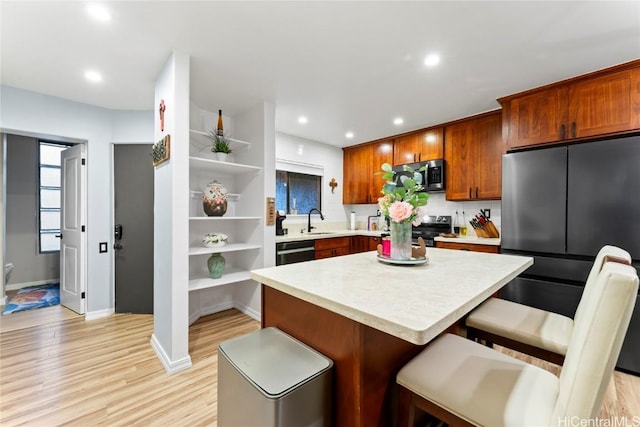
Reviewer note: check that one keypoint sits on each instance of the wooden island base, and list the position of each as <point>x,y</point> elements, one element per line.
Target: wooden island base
<point>366,360</point>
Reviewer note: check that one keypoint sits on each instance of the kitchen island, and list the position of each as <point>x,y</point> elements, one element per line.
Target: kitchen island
<point>371,317</point>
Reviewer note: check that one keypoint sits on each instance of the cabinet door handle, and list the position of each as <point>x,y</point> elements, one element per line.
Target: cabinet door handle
<point>414,157</point>
<point>419,157</point>
<point>573,130</point>
<point>562,132</point>
<point>476,192</point>
<point>469,192</point>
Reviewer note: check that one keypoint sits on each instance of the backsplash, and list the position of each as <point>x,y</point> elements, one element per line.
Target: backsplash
<point>437,205</point>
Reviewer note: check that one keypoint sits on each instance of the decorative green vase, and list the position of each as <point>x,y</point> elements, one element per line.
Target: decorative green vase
<point>401,240</point>
<point>216,266</point>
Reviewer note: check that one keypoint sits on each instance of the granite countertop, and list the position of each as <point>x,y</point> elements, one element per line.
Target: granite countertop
<point>473,240</point>
<point>411,302</point>
<point>324,234</point>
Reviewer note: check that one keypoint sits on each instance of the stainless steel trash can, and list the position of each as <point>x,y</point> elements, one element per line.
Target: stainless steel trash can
<point>268,378</point>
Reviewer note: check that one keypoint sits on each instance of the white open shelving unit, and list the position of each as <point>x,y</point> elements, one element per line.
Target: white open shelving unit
<point>241,223</point>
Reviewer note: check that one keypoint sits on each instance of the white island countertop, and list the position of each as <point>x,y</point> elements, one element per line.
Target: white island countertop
<point>415,303</point>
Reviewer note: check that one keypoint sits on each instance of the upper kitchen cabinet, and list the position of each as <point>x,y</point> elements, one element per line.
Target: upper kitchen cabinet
<point>418,146</point>
<point>600,103</point>
<point>361,184</point>
<point>473,152</point>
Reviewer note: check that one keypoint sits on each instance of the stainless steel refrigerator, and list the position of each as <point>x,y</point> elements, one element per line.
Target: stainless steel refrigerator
<point>561,205</point>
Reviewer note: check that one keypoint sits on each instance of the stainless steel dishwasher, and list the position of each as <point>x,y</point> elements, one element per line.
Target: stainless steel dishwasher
<point>292,252</point>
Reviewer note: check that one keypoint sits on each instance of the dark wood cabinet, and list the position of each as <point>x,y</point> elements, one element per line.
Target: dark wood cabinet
<point>334,246</point>
<point>360,164</point>
<point>364,243</point>
<point>473,156</point>
<point>418,146</point>
<point>469,247</point>
<point>600,103</point>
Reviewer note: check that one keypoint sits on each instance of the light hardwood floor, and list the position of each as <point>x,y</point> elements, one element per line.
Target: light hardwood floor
<point>58,369</point>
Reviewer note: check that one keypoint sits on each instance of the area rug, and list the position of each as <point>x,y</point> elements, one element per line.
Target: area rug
<point>34,297</point>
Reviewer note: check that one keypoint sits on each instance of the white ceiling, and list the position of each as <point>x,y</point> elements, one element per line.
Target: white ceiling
<point>347,66</point>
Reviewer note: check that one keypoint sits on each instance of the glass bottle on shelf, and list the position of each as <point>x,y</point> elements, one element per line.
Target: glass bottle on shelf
<point>463,226</point>
<point>456,224</point>
<point>219,129</point>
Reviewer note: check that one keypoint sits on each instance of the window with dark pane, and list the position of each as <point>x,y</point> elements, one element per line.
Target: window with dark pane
<point>297,190</point>
<point>49,197</point>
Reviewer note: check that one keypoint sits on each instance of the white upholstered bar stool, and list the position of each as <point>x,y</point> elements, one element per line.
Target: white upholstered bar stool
<point>462,382</point>
<point>536,332</point>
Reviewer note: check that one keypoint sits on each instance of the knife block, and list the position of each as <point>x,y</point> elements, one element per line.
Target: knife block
<point>488,230</point>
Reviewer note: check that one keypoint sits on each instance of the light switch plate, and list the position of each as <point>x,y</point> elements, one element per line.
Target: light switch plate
<point>103,247</point>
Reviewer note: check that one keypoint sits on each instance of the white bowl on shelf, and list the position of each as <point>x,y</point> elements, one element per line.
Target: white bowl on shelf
<point>214,240</point>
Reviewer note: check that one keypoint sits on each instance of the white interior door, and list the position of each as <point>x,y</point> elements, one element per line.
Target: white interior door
<point>72,227</point>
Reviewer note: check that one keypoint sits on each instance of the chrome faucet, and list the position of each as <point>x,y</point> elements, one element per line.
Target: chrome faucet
<point>309,227</point>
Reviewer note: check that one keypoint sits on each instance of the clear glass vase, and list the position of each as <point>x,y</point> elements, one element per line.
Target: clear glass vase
<point>401,240</point>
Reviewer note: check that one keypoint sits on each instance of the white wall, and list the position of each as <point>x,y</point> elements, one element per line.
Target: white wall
<point>299,150</point>
<point>30,113</point>
<point>170,337</point>
<point>3,138</point>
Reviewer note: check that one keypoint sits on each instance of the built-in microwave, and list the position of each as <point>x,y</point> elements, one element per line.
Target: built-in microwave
<point>432,176</point>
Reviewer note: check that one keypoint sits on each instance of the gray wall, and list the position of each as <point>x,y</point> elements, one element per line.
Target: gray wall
<point>22,216</point>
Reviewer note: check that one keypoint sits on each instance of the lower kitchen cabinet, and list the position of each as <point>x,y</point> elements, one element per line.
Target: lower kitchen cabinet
<point>335,246</point>
<point>364,243</point>
<point>469,247</point>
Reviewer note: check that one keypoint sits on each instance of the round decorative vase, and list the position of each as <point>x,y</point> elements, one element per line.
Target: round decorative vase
<point>215,263</point>
<point>214,199</point>
<point>401,240</point>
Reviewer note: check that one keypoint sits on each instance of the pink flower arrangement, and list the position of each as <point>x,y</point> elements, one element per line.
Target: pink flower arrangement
<point>401,203</point>
<point>400,211</point>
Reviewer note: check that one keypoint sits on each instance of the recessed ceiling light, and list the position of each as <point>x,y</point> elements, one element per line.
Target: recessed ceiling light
<point>349,135</point>
<point>432,60</point>
<point>302,120</point>
<point>93,76</point>
<point>398,121</point>
<point>99,12</point>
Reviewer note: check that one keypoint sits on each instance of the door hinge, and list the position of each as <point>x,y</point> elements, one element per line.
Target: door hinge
<point>82,296</point>
<point>83,229</point>
<point>83,162</point>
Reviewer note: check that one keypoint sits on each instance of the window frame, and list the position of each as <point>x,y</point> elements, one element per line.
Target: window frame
<point>48,231</point>
<point>288,173</point>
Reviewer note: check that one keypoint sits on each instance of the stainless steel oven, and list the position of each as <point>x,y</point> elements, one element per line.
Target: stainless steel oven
<point>431,227</point>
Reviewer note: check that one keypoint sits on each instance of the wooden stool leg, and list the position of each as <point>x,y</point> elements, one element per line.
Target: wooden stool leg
<point>406,409</point>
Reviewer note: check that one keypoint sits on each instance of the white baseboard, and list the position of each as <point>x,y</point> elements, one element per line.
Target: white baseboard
<point>249,312</point>
<point>222,307</point>
<point>209,310</point>
<point>16,286</point>
<point>169,366</point>
<point>98,314</point>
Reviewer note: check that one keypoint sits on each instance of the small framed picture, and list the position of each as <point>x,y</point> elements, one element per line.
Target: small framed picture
<point>161,150</point>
